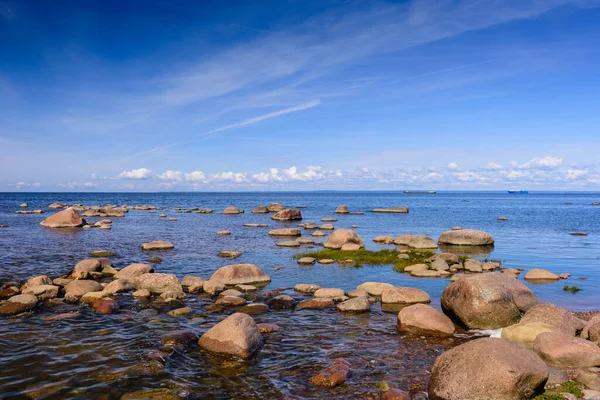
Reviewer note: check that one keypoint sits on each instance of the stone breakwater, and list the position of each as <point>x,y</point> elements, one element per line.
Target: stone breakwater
<point>541,345</point>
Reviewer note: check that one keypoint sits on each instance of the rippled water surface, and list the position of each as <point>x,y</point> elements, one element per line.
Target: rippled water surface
<point>98,356</point>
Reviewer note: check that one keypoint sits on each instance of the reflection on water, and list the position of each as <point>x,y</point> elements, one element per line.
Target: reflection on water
<point>66,351</point>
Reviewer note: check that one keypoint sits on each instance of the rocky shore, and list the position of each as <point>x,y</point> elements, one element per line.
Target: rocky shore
<point>536,350</point>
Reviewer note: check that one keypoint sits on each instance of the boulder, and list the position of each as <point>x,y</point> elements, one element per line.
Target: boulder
<point>427,273</point>
<point>416,241</point>
<point>84,267</point>
<point>178,340</point>
<point>358,293</point>
<point>18,304</point>
<point>76,289</point>
<point>350,247</point>
<point>142,294</point>
<point>213,286</point>
<point>398,210</point>
<point>158,245</point>
<point>375,288</point>
<point>537,274</point>
<point>421,319</point>
<point>68,218</point>
<point>232,210</point>
<point>524,334</point>
<point>158,283</point>
<point>42,292</point>
<point>285,232</point>
<point>396,394</point>
<point>439,265</point>
<point>287,215</point>
<point>268,328</point>
<point>36,281</point>
<point>466,237</point>
<point>230,301</point>
<point>260,210</point>
<point>224,232</point>
<point>306,288</point>
<point>8,290</point>
<point>118,286</point>
<point>555,316</point>
<point>449,258</point>
<point>288,243</point>
<point>56,205</point>
<point>487,301</point>
<point>342,209</point>
<point>276,207</point>
<point>416,267</point>
<point>356,305</point>
<point>240,274</point>
<point>189,281</point>
<point>340,237</point>
<point>316,303</point>
<point>331,293</point>
<point>105,306</point>
<point>404,295</point>
<point>236,335</point>
<point>327,227</point>
<point>254,308</point>
<point>332,376</point>
<point>384,239</point>
<point>132,271</point>
<point>229,254</point>
<point>592,325</point>
<point>566,352</point>
<point>472,266</point>
<point>488,368</point>
<point>91,297</point>
<point>306,261</point>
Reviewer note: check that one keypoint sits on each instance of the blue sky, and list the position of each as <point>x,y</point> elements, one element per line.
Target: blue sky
<point>299,95</point>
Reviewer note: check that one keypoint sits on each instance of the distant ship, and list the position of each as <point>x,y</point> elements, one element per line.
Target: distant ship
<point>518,192</point>
<point>420,192</point>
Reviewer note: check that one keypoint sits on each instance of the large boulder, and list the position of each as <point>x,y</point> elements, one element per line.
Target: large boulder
<point>541,275</point>
<point>555,316</point>
<point>416,241</point>
<point>566,352</point>
<point>133,271</point>
<point>76,289</point>
<point>275,207</point>
<point>466,237</point>
<point>375,288</point>
<point>356,305</point>
<point>68,218</point>
<point>287,215</point>
<point>421,319</point>
<point>240,274</point>
<point>84,267</point>
<point>487,301</point>
<point>118,286</point>
<point>18,304</point>
<point>342,209</point>
<point>42,292</point>
<point>232,210</point>
<point>158,245</point>
<point>236,335</point>
<point>340,237</point>
<point>158,283</point>
<point>36,281</point>
<point>260,210</point>
<point>404,295</point>
<point>525,333</point>
<point>487,369</point>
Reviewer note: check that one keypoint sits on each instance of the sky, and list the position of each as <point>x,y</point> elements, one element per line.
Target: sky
<point>106,95</point>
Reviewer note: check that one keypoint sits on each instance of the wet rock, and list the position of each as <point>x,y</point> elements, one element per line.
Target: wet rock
<point>213,286</point>
<point>333,375</point>
<point>229,254</point>
<point>68,218</point>
<point>254,308</point>
<point>56,205</point>
<point>416,241</point>
<point>155,260</point>
<point>287,215</point>
<point>158,245</point>
<point>178,339</point>
<point>276,207</point>
<point>489,368</point>
<point>268,328</point>
<point>18,304</point>
<point>36,281</point>
<point>178,312</point>
<point>404,295</point>
<point>170,295</point>
<point>555,316</point>
<point>151,394</point>
<point>356,305</point>
<point>8,290</point>
<point>564,351</point>
<point>327,227</point>
<point>232,210</point>
<point>340,237</point>
<point>260,210</point>
<point>306,288</point>
<point>246,288</point>
<point>487,301</point>
<point>61,282</point>
<point>84,267</point>
<point>375,288</point>
<point>589,377</point>
<point>105,306</point>
<point>285,232</point>
<point>240,274</point>
<point>358,293</point>
<point>102,253</point>
<point>524,334</point>
<point>421,319</point>
<point>306,261</point>
<point>76,289</point>
<point>231,292</point>
<point>395,394</point>
<point>236,335</point>
<point>133,271</point>
<point>61,316</point>
<point>342,209</point>
<point>42,292</point>
<point>91,297</point>
<point>304,240</point>
<point>142,294</point>
<point>439,265</point>
<point>118,286</point>
<point>230,301</point>
<point>310,225</point>
<point>318,234</point>
<point>189,281</point>
<point>158,283</point>
<point>466,237</point>
<point>288,243</point>
<point>331,293</point>
<point>394,210</point>
<point>384,239</point>
<point>537,274</point>
<point>281,302</point>
<point>316,303</point>
<point>449,258</point>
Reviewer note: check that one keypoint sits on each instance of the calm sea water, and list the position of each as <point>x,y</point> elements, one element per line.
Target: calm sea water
<point>44,354</point>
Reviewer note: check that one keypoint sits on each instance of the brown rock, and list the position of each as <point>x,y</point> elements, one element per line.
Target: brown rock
<point>555,316</point>
<point>240,274</point>
<point>340,237</point>
<point>143,293</point>
<point>268,328</point>
<point>416,241</point>
<point>342,209</point>
<point>236,335</point>
<point>260,210</point>
<point>8,290</point>
<point>395,394</point>
<point>118,286</point>
<point>316,303</point>
<point>404,295</point>
<point>421,319</point>
<point>84,267</point>
<point>68,218</point>
<point>158,245</point>
<point>105,306</point>
<point>333,375</point>
<point>18,304</point>
<point>567,352</point>
<point>254,308</point>
<point>178,339</point>
<point>537,274</point>
<point>158,283</point>
<point>285,232</point>
<point>466,237</point>
<point>281,302</point>
<point>230,301</point>
<point>132,271</point>
<point>331,293</point>
<point>229,254</point>
<point>355,305</point>
<point>306,288</point>
<point>384,239</point>
<point>524,334</point>
<point>276,207</point>
<point>76,289</point>
<point>189,281</point>
<point>36,281</point>
<point>42,292</point>
<point>232,210</point>
<point>350,247</point>
<point>490,369</point>
<point>399,210</point>
<point>375,288</point>
<point>287,215</point>
<point>487,301</point>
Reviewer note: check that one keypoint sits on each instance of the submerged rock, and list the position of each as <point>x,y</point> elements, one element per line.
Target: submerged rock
<point>524,334</point>
<point>68,218</point>
<point>18,304</point>
<point>489,368</point>
<point>285,232</point>
<point>357,304</point>
<point>316,303</point>
<point>236,335</point>
<point>397,210</point>
<point>334,375</point>
<point>158,283</point>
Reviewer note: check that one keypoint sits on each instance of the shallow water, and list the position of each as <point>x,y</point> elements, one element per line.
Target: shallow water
<point>92,356</point>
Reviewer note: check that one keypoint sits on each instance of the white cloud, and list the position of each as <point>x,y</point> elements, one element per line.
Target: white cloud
<point>169,175</point>
<point>195,176</point>
<point>573,174</point>
<point>493,167</point>
<point>20,185</point>
<point>237,177</point>
<point>547,163</point>
<point>77,185</point>
<point>453,166</point>
<point>134,174</point>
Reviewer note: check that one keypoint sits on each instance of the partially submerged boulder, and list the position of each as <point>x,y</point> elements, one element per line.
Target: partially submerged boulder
<point>287,215</point>
<point>133,271</point>
<point>236,335</point>
<point>68,218</point>
<point>466,237</point>
<point>342,209</point>
<point>236,274</point>
<point>18,304</point>
<point>416,241</point>
<point>404,295</point>
<point>76,289</point>
<point>158,245</point>
<point>375,288</point>
<point>158,283</point>
<point>487,301</point>
<point>539,275</point>
<point>340,237</point>
<point>555,316</point>
<point>421,319</point>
